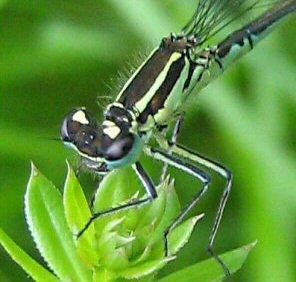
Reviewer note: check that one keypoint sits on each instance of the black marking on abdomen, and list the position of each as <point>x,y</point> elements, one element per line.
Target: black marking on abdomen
<point>250,39</point>
<point>236,38</point>
<point>255,28</point>
<point>158,100</point>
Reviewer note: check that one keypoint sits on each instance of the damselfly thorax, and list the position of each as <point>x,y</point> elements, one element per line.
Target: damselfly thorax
<point>155,94</point>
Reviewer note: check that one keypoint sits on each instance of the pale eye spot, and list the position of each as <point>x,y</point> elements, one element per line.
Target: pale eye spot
<point>80,117</point>
<point>108,123</point>
<point>112,131</point>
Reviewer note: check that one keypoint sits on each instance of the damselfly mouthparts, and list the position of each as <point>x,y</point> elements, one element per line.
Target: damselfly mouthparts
<point>154,96</point>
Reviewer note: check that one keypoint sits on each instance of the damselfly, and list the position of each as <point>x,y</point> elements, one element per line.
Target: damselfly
<point>153,98</point>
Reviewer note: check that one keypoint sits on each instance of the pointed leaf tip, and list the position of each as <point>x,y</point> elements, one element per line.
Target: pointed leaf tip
<point>208,270</point>
<point>69,166</point>
<point>34,170</point>
<point>70,171</point>
<point>197,218</point>
<point>77,214</point>
<point>250,246</point>
<point>47,224</point>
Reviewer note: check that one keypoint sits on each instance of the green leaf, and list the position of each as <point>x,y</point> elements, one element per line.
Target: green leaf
<point>113,191</point>
<point>32,267</point>
<point>76,208</point>
<point>103,275</point>
<point>209,270</point>
<point>172,209</point>
<point>178,237</point>
<point>181,234</point>
<point>145,268</point>
<point>147,278</point>
<point>114,258</point>
<point>47,223</point>
<point>154,211</point>
<point>77,214</point>
<point>116,189</point>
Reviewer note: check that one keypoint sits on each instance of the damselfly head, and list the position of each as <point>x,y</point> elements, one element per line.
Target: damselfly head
<point>110,145</point>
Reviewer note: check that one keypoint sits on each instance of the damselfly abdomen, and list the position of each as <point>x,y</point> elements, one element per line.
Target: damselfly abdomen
<point>154,96</point>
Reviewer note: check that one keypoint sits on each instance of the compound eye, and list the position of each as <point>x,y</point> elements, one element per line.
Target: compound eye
<point>120,147</point>
<point>75,122</point>
<point>65,136</point>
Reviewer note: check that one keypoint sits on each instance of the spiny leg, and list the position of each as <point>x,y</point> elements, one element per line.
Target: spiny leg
<point>173,140</point>
<point>189,168</point>
<point>150,191</point>
<point>220,169</point>
<point>162,131</point>
<point>225,173</point>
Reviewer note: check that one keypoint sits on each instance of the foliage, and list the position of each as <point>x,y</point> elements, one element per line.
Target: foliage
<point>124,246</point>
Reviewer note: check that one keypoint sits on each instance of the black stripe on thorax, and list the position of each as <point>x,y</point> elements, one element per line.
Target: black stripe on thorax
<point>192,66</point>
<point>146,77</point>
<point>157,101</point>
<point>119,115</point>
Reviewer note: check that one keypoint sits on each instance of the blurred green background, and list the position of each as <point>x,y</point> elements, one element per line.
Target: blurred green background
<point>56,55</point>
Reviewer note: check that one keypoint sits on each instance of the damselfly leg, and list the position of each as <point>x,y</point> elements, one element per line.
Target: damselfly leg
<point>184,165</point>
<point>179,157</point>
<point>149,189</point>
<point>221,170</point>
<point>173,141</point>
